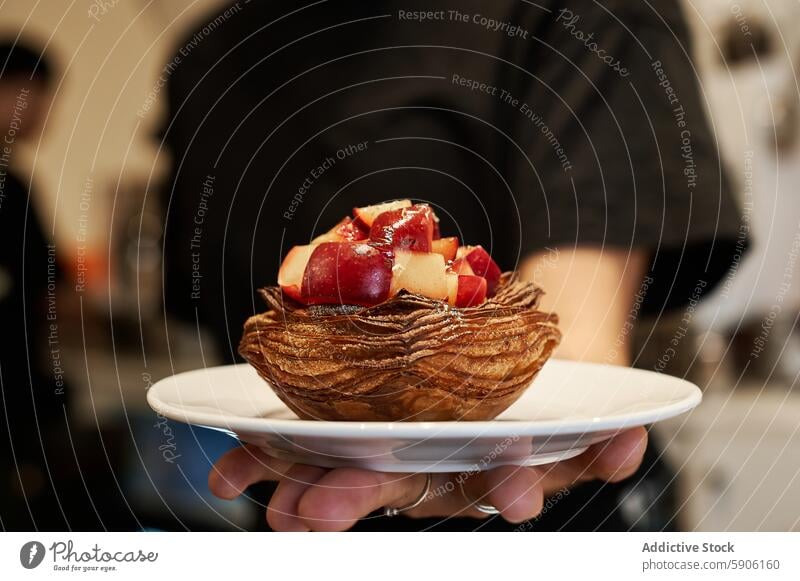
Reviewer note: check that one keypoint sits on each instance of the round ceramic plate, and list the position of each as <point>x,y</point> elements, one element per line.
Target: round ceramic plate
<point>569,407</point>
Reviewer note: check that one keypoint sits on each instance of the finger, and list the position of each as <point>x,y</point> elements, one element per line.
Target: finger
<point>617,458</point>
<point>282,509</point>
<point>343,496</point>
<point>612,460</point>
<point>242,467</point>
<point>516,491</point>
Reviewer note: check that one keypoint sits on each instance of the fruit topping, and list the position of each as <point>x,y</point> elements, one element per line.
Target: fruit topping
<point>384,249</point>
<point>347,273</point>
<point>461,266</point>
<point>365,216</point>
<point>447,247</point>
<point>290,275</point>
<point>407,228</point>
<point>471,291</point>
<point>423,273</point>
<point>436,232</point>
<point>482,265</point>
<point>346,230</point>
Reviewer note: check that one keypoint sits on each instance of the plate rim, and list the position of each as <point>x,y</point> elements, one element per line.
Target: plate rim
<point>401,429</point>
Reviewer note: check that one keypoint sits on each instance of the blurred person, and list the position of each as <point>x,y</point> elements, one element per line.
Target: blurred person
<point>33,394</point>
<point>569,138</point>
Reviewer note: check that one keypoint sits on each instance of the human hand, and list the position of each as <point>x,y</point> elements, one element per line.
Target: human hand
<point>321,499</point>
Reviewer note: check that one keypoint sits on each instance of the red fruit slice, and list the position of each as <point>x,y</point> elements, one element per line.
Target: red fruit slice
<point>293,292</point>
<point>347,273</point>
<point>407,229</point>
<point>423,273</point>
<point>436,232</point>
<point>482,265</point>
<point>471,291</point>
<point>293,266</point>
<point>344,231</point>
<point>461,266</point>
<point>447,247</point>
<point>364,217</point>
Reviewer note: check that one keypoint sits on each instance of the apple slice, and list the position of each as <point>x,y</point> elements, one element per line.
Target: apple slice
<point>293,266</point>
<point>347,273</point>
<point>482,265</point>
<point>461,266</point>
<point>290,274</point>
<point>447,247</point>
<point>344,231</point>
<point>364,217</point>
<point>422,273</point>
<point>452,287</point>
<point>471,291</point>
<point>407,229</point>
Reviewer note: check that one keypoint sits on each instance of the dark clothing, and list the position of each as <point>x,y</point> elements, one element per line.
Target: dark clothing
<point>526,126</point>
<point>33,402</point>
<point>27,265</point>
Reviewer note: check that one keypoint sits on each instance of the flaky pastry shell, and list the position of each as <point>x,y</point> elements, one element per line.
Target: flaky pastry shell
<point>410,358</point>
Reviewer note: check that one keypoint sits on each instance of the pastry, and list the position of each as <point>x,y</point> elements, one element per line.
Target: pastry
<point>383,319</point>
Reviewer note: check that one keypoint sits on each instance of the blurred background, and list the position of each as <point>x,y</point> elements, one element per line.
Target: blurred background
<point>94,177</point>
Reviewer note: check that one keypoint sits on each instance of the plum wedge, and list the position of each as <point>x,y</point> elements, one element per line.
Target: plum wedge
<point>407,229</point>
<point>348,273</point>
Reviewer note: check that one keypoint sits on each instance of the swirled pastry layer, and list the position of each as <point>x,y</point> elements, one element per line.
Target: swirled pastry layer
<point>410,358</point>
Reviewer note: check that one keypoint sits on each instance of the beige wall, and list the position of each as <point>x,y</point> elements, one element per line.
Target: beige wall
<point>110,60</point>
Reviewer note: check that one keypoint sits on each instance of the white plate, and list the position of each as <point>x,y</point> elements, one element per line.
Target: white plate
<point>569,407</point>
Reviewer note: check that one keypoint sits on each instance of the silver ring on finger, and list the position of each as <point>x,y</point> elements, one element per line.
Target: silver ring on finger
<point>480,507</point>
<point>394,511</point>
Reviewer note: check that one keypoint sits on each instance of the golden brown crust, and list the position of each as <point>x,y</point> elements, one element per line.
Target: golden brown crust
<point>410,358</point>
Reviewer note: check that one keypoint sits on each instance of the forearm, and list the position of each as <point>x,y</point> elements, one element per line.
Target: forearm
<point>593,292</point>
